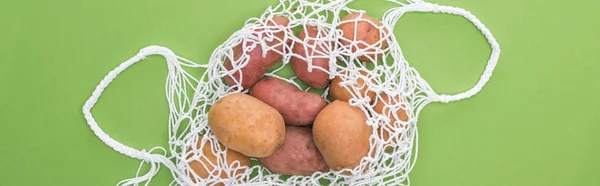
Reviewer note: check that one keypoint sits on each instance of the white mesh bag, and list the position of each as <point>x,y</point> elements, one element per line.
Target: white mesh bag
<point>189,97</point>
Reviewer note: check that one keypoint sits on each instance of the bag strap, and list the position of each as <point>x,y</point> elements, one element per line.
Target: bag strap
<point>394,14</point>
<point>154,159</point>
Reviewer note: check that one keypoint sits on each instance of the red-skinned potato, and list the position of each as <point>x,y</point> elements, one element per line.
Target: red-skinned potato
<point>296,106</point>
<point>251,72</point>
<point>359,28</point>
<point>320,57</point>
<point>276,55</point>
<point>257,65</point>
<point>298,154</point>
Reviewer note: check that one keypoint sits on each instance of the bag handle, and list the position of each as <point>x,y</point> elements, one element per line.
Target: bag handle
<point>394,14</point>
<point>154,159</point>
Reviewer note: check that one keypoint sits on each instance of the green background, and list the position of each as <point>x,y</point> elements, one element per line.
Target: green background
<point>535,123</point>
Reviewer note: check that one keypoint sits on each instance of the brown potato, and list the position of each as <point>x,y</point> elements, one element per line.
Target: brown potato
<point>342,135</point>
<point>361,28</point>
<point>320,57</point>
<point>337,92</point>
<point>386,111</point>
<point>247,125</point>
<point>202,167</point>
<point>297,156</point>
<point>296,106</point>
<point>257,65</point>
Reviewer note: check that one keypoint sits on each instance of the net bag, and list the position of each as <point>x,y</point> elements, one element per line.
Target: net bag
<point>382,85</point>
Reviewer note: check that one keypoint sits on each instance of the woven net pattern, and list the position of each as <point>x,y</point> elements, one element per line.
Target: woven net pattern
<point>396,86</point>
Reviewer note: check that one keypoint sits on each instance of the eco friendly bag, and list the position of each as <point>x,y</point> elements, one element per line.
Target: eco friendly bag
<point>189,97</point>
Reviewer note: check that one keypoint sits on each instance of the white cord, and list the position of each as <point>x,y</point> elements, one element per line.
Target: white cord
<point>190,115</point>
<point>154,159</point>
<point>394,14</point>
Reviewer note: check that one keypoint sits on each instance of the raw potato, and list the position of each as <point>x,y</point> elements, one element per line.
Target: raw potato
<point>320,58</point>
<point>297,156</point>
<point>342,135</point>
<point>386,111</point>
<point>200,165</point>
<point>275,55</point>
<point>257,65</point>
<point>338,92</point>
<point>296,106</point>
<point>251,72</point>
<point>247,125</point>
<point>365,32</point>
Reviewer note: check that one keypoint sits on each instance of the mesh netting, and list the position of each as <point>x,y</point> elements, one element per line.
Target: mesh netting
<point>394,96</point>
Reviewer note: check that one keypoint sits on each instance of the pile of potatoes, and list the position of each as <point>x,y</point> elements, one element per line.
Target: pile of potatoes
<point>288,130</point>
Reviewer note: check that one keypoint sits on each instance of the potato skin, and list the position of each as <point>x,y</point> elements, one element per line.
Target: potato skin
<point>274,55</point>
<point>381,109</point>
<point>197,165</point>
<point>297,156</point>
<point>251,72</point>
<point>297,107</point>
<point>317,78</point>
<point>247,125</point>
<point>365,32</point>
<point>337,92</point>
<point>342,135</point>
<point>257,65</point>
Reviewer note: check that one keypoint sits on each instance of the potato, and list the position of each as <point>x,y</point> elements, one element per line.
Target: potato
<point>296,106</point>
<point>357,27</point>
<point>319,57</point>
<point>337,92</point>
<point>342,135</point>
<point>247,125</point>
<point>202,167</point>
<point>297,156</point>
<point>380,108</point>
<point>273,56</point>
<point>251,72</point>
<point>257,65</point>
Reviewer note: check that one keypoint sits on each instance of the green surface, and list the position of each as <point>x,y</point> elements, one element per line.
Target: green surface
<point>535,123</point>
